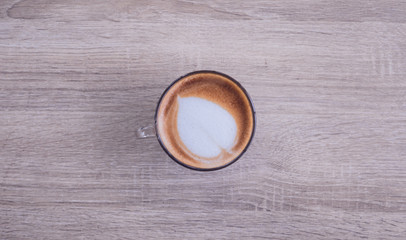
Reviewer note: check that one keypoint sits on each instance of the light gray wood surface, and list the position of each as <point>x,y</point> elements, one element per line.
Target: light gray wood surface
<point>328,80</point>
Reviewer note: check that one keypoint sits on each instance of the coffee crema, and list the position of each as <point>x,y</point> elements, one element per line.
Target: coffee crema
<point>205,120</point>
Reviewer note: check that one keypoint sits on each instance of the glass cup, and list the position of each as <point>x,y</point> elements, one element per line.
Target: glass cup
<point>151,130</point>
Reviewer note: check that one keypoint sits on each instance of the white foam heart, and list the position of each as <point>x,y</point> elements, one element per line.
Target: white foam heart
<point>205,127</point>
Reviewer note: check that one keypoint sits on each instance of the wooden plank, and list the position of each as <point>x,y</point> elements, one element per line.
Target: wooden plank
<point>328,83</point>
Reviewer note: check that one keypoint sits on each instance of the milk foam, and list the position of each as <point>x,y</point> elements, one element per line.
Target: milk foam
<point>205,127</point>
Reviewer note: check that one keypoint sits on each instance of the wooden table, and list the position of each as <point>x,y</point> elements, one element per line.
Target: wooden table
<point>328,80</point>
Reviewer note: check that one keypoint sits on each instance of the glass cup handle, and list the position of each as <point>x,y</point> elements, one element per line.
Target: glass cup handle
<point>146,132</point>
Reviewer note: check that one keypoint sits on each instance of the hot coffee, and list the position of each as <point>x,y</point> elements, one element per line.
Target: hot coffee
<point>205,120</point>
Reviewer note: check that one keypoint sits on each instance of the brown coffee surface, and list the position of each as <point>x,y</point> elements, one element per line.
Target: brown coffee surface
<point>215,88</point>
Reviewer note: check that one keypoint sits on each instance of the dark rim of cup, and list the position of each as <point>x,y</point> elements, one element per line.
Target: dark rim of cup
<point>252,112</point>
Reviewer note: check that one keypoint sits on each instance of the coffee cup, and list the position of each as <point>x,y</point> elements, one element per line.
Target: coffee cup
<point>204,120</point>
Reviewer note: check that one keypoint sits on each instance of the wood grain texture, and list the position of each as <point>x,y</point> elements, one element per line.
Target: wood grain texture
<point>328,80</point>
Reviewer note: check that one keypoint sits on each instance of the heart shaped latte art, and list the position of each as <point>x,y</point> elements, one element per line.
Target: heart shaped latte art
<point>205,127</point>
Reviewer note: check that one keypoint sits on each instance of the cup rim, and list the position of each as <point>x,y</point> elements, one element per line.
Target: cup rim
<point>252,113</point>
